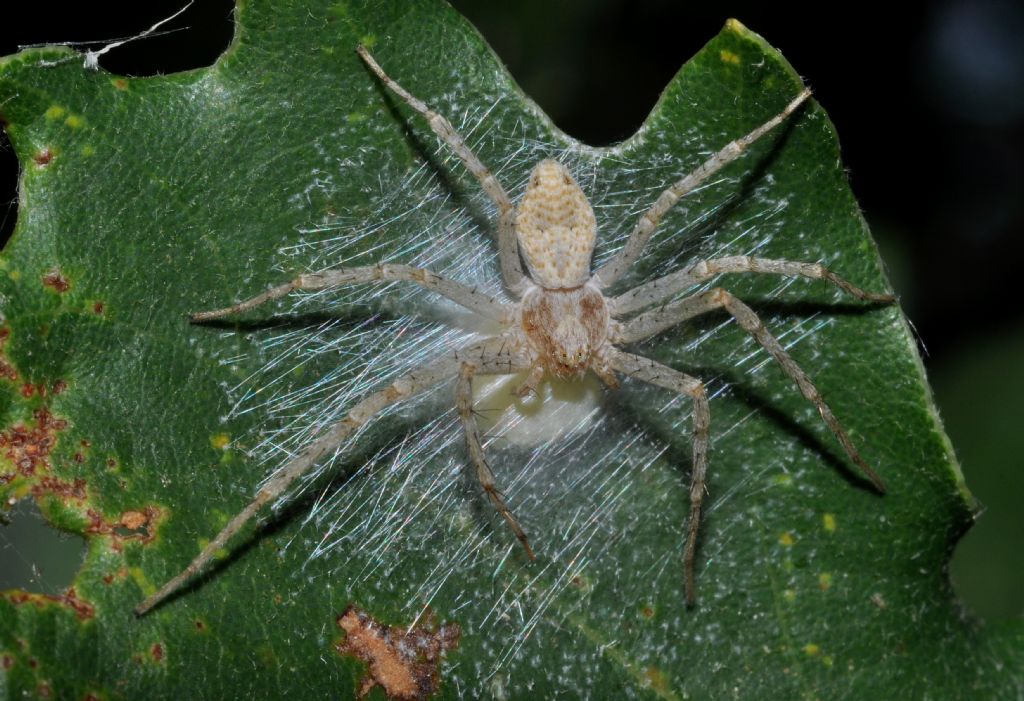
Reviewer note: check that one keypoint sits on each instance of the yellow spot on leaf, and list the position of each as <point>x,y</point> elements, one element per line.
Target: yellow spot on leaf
<point>789,595</point>
<point>74,121</point>
<point>140,579</point>
<point>812,650</point>
<point>220,441</point>
<point>368,40</point>
<point>825,581</point>
<point>88,150</point>
<point>829,521</point>
<point>787,539</point>
<point>14,275</point>
<point>54,112</point>
<point>729,57</point>
<point>783,480</point>
<point>656,678</point>
<point>734,25</point>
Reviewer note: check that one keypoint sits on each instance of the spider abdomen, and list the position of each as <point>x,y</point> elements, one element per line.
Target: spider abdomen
<point>556,228</point>
<point>564,328</point>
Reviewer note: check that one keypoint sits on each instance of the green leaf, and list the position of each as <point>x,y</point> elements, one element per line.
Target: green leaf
<point>145,199</point>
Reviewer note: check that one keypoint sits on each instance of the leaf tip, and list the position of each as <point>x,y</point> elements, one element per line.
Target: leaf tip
<point>735,26</point>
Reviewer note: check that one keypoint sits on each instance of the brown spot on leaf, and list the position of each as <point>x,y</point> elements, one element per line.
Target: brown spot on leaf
<point>157,652</point>
<point>120,574</point>
<point>29,449</point>
<point>134,519</point>
<point>43,158</point>
<point>120,83</point>
<point>60,488</point>
<point>7,662</point>
<point>404,662</point>
<point>130,525</point>
<point>98,308</point>
<point>55,280</point>
<point>83,609</point>
<point>44,691</point>
<point>7,370</point>
<point>58,387</point>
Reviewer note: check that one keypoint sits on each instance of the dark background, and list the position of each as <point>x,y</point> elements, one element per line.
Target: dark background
<point>928,100</point>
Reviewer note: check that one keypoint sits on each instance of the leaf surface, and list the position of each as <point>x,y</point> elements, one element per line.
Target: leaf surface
<point>145,199</point>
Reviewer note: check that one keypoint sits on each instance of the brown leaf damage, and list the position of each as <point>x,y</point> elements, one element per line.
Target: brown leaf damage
<point>130,525</point>
<point>55,280</point>
<point>404,662</point>
<point>70,599</point>
<point>28,448</point>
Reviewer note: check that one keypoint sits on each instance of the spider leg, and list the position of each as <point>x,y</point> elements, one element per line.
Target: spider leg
<point>655,373</point>
<point>508,247</point>
<point>464,400</point>
<point>609,273</point>
<point>657,291</point>
<point>532,381</point>
<point>652,322</point>
<point>469,297</point>
<point>405,387</point>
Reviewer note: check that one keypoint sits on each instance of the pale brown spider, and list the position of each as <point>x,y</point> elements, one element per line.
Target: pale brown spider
<point>562,324</point>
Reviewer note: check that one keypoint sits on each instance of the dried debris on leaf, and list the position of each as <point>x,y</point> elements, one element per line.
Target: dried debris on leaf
<point>405,662</point>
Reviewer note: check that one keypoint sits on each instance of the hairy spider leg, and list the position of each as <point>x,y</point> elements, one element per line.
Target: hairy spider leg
<point>464,401</point>
<point>609,273</point>
<point>655,373</point>
<point>663,288</point>
<point>469,297</point>
<point>653,322</point>
<point>491,355</point>
<point>508,247</point>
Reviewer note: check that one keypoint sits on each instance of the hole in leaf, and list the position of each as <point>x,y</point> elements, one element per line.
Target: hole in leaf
<point>34,555</point>
<point>981,393</point>
<point>194,39</point>
<point>597,91</point>
<point>8,188</point>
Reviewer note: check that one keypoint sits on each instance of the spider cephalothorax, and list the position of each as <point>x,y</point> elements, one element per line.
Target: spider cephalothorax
<point>560,321</point>
<point>566,330</point>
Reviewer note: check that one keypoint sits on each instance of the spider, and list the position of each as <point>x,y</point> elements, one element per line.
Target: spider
<point>561,323</point>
